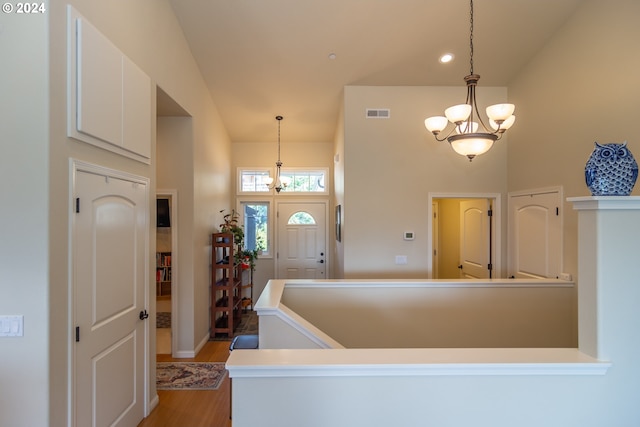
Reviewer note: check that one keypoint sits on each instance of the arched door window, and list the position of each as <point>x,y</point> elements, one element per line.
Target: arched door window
<point>301,218</point>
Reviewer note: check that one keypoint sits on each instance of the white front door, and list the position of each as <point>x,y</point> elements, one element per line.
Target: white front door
<point>535,235</point>
<point>302,231</point>
<point>110,259</point>
<point>475,235</point>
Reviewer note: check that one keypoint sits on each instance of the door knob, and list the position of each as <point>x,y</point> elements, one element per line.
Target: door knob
<point>144,314</point>
<point>321,261</point>
<point>460,266</point>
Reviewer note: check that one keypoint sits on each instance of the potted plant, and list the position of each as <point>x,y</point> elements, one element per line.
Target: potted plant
<point>231,225</point>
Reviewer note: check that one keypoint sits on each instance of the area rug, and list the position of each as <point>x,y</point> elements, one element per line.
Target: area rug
<point>163,319</point>
<point>189,375</point>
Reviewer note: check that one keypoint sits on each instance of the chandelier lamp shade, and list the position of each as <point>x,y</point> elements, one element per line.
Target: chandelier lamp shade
<point>469,135</point>
<point>279,183</point>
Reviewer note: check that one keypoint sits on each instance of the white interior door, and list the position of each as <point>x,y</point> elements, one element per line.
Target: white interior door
<point>535,235</point>
<point>302,231</point>
<point>110,259</point>
<point>475,235</point>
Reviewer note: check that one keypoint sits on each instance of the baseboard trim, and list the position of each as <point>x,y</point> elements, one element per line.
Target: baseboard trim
<point>186,354</point>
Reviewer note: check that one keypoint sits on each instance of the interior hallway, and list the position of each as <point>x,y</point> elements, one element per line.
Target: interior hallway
<point>198,408</point>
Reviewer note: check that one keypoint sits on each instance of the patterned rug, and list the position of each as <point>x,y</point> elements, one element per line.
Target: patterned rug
<point>163,319</point>
<point>189,375</point>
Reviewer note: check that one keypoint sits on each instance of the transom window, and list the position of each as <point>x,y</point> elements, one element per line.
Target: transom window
<point>304,181</point>
<point>253,181</point>
<point>298,180</point>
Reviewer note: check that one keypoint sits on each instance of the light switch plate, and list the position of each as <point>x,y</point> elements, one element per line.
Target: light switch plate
<point>401,259</point>
<point>11,326</point>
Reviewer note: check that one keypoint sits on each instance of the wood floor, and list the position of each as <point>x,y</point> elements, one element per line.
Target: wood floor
<point>198,408</point>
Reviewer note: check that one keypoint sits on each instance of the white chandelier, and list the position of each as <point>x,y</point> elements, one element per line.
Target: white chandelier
<point>472,137</point>
<point>279,182</point>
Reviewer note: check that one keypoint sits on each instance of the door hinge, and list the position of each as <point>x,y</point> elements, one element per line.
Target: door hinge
<point>490,267</point>
<point>557,211</point>
<point>77,333</point>
<point>77,204</point>
<point>490,212</point>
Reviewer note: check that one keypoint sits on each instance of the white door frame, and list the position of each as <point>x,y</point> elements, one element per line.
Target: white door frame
<point>174,267</point>
<point>322,201</point>
<point>496,199</point>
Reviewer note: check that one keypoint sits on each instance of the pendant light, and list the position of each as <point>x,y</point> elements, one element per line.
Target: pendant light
<point>470,136</point>
<point>279,182</point>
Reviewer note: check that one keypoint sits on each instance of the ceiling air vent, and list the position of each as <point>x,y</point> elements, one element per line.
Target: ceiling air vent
<point>378,113</point>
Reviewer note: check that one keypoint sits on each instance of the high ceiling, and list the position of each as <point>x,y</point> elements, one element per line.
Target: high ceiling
<point>262,58</point>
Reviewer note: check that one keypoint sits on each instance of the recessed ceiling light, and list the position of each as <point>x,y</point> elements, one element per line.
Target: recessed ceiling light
<point>332,56</point>
<point>446,58</point>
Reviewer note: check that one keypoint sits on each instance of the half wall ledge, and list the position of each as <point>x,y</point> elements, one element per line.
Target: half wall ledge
<point>284,363</point>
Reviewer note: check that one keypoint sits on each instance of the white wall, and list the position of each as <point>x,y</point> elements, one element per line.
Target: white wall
<point>24,245</point>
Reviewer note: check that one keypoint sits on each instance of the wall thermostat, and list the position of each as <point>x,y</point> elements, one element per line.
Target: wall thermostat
<point>408,235</point>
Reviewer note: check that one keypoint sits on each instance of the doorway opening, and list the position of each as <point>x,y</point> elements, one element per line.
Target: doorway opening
<point>466,235</point>
<point>173,134</point>
<point>166,269</point>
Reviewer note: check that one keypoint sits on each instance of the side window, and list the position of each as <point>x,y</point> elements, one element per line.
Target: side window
<point>255,218</point>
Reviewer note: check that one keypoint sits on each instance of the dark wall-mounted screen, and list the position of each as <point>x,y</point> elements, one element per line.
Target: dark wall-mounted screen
<point>163,219</point>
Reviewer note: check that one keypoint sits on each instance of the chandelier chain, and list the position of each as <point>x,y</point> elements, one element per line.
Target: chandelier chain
<point>279,119</point>
<point>471,38</point>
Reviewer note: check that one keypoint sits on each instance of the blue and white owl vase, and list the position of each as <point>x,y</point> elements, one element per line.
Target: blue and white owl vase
<point>611,170</point>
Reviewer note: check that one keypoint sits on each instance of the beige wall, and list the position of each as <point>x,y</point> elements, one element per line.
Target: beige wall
<point>390,167</point>
<point>449,314</point>
<point>580,88</point>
